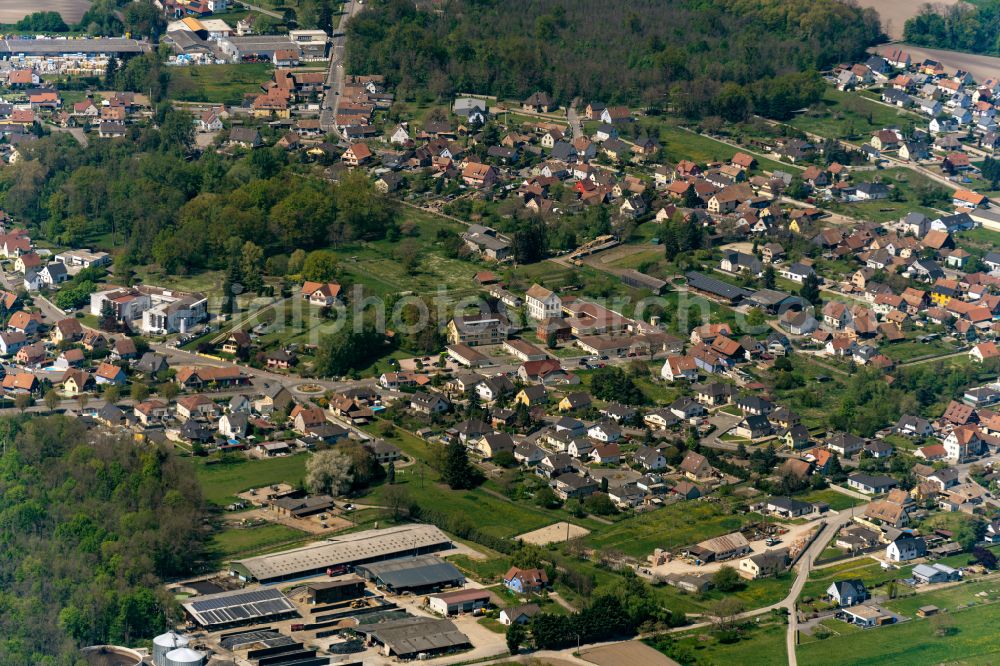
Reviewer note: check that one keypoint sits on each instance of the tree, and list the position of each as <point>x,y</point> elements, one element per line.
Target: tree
<point>139,391</point>
<point>546,498</point>
<point>457,471</point>
<point>390,473</point>
<point>726,579</point>
<point>169,390</point>
<point>810,289</point>
<point>22,401</point>
<point>397,502</point>
<point>329,472</point>
<point>319,266</point>
<point>252,267</point>
<point>516,636</point>
<point>111,393</point>
<point>614,384</point>
<point>769,277</point>
<point>985,557</point>
<point>408,254</point>
<point>725,614</point>
<point>51,399</point>
<point>756,318</point>
<point>600,504</point>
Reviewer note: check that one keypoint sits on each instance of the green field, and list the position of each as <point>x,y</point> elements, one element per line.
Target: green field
<point>836,501</point>
<point>669,527</point>
<point>235,541</point>
<point>755,594</point>
<point>218,84</point>
<point>681,144</point>
<point>865,568</point>
<point>907,183</point>
<point>970,638</point>
<point>760,645</point>
<point>911,349</point>
<point>847,115</point>
<point>370,264</point>
<point>222,481</point>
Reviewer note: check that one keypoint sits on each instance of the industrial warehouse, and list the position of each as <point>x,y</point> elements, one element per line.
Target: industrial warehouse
<point>411,637</point>
<point>426,573</point>
<point>342,552</point>
<point>42,48</point>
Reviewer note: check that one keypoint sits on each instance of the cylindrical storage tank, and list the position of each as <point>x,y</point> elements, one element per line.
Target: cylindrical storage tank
<point>184,657</point>
<point>164,643</point>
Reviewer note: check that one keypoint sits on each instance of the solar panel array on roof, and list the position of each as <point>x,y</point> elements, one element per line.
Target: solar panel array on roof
<point>238,607</point>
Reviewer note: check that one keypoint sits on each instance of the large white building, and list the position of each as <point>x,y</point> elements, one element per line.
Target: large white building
<point>542,303</point>
<point>155,311</point>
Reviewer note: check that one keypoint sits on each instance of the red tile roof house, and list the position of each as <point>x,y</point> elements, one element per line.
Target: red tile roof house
<point>357,155</point>
<point>524,581</point>
<point>323,294</point>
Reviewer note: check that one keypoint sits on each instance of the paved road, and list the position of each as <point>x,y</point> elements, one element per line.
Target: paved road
<point>336,74</point>
<point>574,119</point>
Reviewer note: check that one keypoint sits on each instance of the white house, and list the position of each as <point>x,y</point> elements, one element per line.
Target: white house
<point>905,548</point>
<point>542,303</point>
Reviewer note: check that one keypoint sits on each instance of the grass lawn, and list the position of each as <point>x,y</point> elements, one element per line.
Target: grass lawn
<point>221,84</point>
<point>207,282</point>
<point>221,482</point>
<point>953,598</point>
<point>836,501</point>
<point>907,183</point>
<point>669,527</point>
<point>485,571</point>
<point>760,644</point>
<point>865,568</point>
<point>371,264</point>
<point>680,144</point>
<point>970,638</point>
<point>235,541</point>
<point>755,594</point>
<point>847,115</point>
<point>911,349</point>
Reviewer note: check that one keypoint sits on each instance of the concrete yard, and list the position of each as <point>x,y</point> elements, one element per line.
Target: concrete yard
<point>553,533</point>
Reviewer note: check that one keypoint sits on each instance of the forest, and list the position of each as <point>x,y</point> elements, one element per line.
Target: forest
<point>973,27</point>
<point>89,528</point>
<point>150,201</point>
<point>686,52</point>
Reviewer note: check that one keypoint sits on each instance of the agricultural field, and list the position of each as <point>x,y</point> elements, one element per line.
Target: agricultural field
<point>217,84</point>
